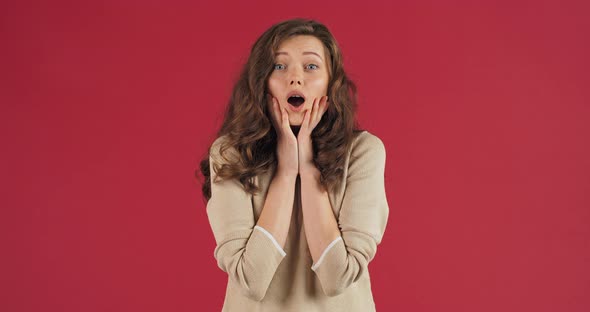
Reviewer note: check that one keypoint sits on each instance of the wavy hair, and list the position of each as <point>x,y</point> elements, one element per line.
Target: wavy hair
<point>247,126</point>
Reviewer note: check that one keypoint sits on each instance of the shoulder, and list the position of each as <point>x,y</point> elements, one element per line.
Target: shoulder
<point>220,151</point>
<point>367,158</point>
<point>367,144</point>
<point>218,141</point>
<point>215,146</point>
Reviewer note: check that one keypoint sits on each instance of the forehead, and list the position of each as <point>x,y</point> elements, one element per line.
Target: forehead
<point>301,45</point>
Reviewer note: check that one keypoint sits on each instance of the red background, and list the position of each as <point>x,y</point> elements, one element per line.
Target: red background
<point>108,107</point>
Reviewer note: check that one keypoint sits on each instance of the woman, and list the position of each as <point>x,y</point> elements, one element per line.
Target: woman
<point>296,195</point>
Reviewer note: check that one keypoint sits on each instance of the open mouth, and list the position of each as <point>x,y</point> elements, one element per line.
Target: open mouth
<point>296,100</point>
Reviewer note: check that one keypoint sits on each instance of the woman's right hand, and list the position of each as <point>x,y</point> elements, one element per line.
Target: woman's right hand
<point>287,153</point>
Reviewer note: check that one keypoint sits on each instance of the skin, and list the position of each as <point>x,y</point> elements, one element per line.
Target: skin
<point>299,66</point>
<point>296,71</point>
<point>295,152</point>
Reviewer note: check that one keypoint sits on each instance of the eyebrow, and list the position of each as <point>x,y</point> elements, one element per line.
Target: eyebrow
<point>304,53</point>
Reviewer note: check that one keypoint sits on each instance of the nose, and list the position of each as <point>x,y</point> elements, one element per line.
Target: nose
<point>296,78</point>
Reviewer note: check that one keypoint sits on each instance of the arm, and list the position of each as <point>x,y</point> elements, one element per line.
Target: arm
<point>278,207</point>
<point>249,253</point>
<point>321,227</point>
<point>362,219</point>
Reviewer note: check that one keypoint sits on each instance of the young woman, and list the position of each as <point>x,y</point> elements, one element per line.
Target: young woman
<point>295,190</point>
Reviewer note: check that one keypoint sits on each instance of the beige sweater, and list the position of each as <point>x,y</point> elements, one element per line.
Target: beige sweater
<point>264,277</point>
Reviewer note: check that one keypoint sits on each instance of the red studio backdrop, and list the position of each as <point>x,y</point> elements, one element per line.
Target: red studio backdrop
<point>108,107</point>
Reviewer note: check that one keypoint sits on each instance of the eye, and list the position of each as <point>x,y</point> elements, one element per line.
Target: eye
<point>313,65</point>
<point>275,66</point>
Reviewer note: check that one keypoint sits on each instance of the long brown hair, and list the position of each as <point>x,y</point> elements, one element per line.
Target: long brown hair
<point>247,126</point>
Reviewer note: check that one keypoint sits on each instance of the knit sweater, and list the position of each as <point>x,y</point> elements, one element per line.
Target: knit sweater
<point>262,276</point>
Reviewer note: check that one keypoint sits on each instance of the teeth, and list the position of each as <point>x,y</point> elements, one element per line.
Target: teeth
<point>295,95</point>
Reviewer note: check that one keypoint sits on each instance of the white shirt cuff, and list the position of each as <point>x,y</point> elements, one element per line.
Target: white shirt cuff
<point>274,241</point>
<point>317,264</point>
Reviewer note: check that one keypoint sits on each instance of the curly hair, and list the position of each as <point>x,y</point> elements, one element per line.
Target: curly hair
<point>247,126</point>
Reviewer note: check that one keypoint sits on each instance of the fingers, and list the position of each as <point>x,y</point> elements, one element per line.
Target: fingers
<point>285,122</point>
<point>275,113</point>
<point>311,118</point>
<point>314,115</point>
<point>314,112</point>
<point>305,123</point>
<point>280,116</point>
<point>321,109</point>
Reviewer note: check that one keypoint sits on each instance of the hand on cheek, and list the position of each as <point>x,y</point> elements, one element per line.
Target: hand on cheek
<point>288,156</point>
<point>311,119</point>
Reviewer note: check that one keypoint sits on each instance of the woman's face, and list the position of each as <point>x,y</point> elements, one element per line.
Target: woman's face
<point>300,68</point>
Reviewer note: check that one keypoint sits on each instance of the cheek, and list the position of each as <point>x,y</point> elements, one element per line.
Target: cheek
<point>320,83</point>
<point>273,82</point>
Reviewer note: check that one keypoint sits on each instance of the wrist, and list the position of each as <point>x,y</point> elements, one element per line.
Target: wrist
<point>309,171</point>
<point>285,174</point>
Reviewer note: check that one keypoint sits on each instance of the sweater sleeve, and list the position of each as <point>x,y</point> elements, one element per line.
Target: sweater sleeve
<point>362,219</point>
<point>246,253</point>
<point>323,255</point>
<point>272,238</point>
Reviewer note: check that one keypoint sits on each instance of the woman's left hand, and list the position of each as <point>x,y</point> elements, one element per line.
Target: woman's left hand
<point>310,121</point>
